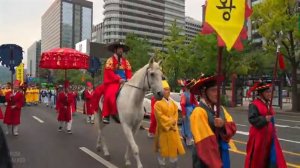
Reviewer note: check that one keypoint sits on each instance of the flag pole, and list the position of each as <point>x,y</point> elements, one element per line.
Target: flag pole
<point>219,75</point>
<point>275,71</point>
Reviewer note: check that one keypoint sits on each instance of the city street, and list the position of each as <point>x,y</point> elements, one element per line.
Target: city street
<point>41,145</point>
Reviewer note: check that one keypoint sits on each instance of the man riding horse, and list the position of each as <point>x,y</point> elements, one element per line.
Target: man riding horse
<point>117,71</point>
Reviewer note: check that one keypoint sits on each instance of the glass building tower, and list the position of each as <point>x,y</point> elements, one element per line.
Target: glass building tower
<point>65,23</point>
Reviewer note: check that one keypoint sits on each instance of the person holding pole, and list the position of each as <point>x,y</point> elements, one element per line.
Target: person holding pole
<point>212,133</point>
<point>263,148</point>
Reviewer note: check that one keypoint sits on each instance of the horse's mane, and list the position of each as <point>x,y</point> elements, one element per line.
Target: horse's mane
<point>136,77</point>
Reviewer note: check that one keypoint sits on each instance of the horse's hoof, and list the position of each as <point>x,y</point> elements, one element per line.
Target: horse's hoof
<point>128,164</point>
<point>107,157</point>
<point>98,148</point>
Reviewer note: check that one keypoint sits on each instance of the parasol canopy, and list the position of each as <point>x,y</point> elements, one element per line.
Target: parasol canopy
<point>64,58</point>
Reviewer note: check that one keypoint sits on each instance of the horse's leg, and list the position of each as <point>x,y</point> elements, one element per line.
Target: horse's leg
<point>127,160</point>
<point>100,138</point>
<point>134,148</point>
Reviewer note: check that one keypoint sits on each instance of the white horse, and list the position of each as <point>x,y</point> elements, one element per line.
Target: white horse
<point>130,107</point>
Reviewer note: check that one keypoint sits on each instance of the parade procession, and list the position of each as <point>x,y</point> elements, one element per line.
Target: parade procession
<point>122,83</point>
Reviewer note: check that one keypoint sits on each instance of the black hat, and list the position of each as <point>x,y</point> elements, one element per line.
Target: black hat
<point>112,46</point>
<point>204,82</point>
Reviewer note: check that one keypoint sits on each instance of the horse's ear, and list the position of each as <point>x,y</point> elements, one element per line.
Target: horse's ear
<point>159,62</point>
<point>151,61</point>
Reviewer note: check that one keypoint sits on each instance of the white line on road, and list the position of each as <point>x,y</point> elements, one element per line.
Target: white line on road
<point>242,125</point>
<point>98,158</point>
<point>281,139</point>
<point>288,120</point>
<point>39,120</point>
<point>282,126</point>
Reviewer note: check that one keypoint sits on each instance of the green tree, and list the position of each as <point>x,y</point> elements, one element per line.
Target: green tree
<point>175,58</point>
<point>138,54</point>
<point>275,16</point>
<point>74,76</point>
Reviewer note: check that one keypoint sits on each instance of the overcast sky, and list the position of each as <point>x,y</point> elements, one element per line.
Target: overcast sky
<point>20,20</point>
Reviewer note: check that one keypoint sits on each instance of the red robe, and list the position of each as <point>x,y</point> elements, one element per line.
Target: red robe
<point>112,79</point>
<point>153,123</point>
<point>99,91</point>
<point>64,107</point>
<point>260,138</point>
<point>89,104</point>
<point>13,115</point>
<point>1,114</point>
<point>73,96</point>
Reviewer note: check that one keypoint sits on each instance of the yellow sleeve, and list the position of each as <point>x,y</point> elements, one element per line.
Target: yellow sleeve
<point>199,124</point>
<point>109,64</point>
<point>227,115</point>
<point>163,120</point>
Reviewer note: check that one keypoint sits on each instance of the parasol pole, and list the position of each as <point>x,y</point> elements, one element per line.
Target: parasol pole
<point>65,79</point>
<point>11,65</point>
<point>219,74</point>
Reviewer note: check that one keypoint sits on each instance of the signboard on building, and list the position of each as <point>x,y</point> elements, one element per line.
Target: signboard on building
<point>83,46</point>
<point>20,73</point>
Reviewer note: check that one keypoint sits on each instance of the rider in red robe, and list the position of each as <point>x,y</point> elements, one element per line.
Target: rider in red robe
<point>15,101</point>
<point>263,148</point>
<point>117,71</point>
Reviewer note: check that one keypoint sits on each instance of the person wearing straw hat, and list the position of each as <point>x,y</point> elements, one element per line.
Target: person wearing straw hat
<point>263,148</point>
<point>15,102</point>
<point>64,109</point>
<point>167,138</point>
<point>89,104</point>
<point>211,134</point>
<point>188,102</point>
<point>117,71</point>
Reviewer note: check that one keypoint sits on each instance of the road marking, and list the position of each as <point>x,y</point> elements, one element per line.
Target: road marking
<point>282,126</point>
<point>241,125</point>
<point>98,158</point>
<point>288,120</point>
<point>281,139</point>
<point>287,152</point>
<point>244,153</point>
<point>39,120</point>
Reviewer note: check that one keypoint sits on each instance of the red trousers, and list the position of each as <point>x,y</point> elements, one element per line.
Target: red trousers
<point>109,102</point>
<point>152,128</point>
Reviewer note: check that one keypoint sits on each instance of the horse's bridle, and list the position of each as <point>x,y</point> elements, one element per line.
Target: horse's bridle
<point>141,88</point>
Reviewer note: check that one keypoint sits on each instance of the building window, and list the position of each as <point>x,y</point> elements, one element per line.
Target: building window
<point>67,25</point>
<point>86,23</point>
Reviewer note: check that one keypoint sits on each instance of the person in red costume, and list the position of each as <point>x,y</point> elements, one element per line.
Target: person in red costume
<point>153,123</point>
<point>263,148</point>
<point>98,93</point>
<point>15,101</point>
<point>64,102</point>
<point>117,71</point>
<point>73,97</point>
<point>89,103</point>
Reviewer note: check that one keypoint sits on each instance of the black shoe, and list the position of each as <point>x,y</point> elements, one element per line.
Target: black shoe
<point>69,132</point>
<point>59,129</point>
<point>105,120</point>
<point>116,118</point>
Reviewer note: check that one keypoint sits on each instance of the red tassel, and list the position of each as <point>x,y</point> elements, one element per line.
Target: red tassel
<point>281,61</point>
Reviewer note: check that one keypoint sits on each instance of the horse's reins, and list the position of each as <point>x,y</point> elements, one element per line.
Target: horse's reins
<point>145,76</point>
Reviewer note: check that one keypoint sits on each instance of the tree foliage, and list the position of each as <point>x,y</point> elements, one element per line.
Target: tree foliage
<point>140,48</point>
<point>272,17</point>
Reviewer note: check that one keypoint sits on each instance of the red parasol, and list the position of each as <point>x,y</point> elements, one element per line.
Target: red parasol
<point>64,58</point>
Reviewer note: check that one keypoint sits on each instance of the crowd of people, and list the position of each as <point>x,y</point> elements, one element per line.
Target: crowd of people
<point>208,133</point>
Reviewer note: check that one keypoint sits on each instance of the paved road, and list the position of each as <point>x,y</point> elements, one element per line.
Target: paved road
<point>41,145</point>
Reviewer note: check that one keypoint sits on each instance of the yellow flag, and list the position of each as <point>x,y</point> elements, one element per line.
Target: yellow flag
<point>20,73</point>
<point>227,17</point>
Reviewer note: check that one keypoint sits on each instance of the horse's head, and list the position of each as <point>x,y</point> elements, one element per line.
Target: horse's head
<point>154,78</point>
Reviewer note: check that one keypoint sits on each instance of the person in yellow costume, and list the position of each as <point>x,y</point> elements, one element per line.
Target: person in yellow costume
<point>27,96</point>
<point>211,133</point>
<point>35,96</point>
<point>167,139</point>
